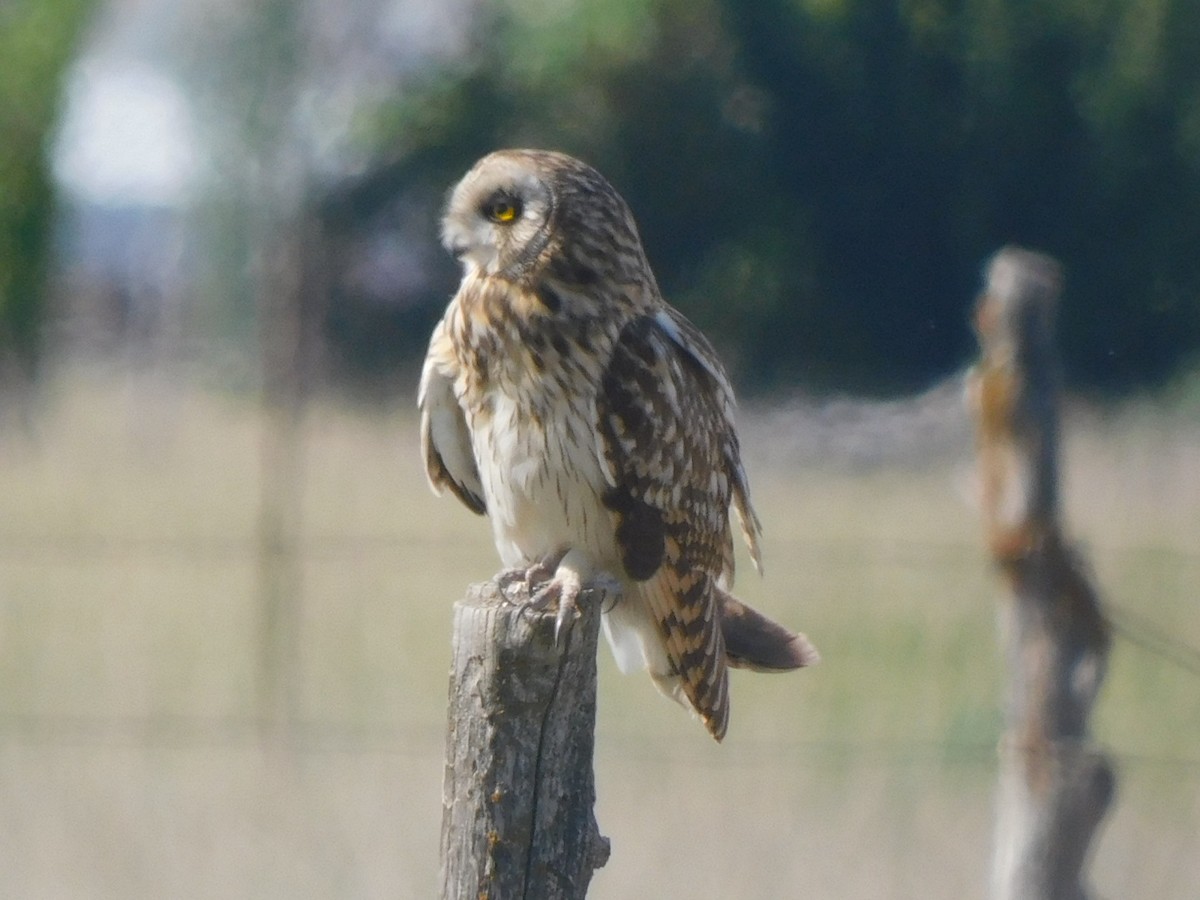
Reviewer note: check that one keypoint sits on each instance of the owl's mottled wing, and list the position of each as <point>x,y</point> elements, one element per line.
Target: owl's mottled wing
<point>670,455</point>
<point>698,348</point>
<point>445,439</point>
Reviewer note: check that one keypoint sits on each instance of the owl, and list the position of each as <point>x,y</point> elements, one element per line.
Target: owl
<point>593,424</point>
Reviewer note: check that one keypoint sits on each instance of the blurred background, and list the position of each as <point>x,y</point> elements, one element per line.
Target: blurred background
<point>225,590</point>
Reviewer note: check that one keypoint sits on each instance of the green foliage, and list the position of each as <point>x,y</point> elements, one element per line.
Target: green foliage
<point>819,182</point>
<point>924,136</point>
<point>36,39</point>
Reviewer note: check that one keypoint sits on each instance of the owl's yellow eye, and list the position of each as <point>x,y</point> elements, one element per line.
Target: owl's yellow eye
<point>503,210</point>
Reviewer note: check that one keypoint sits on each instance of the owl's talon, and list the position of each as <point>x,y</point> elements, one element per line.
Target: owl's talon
<point>568,612</point>
<point>562,594</point>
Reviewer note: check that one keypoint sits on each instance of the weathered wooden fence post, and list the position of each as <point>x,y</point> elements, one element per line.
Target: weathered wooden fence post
<point>519,789</point>
<point>1055,786</point>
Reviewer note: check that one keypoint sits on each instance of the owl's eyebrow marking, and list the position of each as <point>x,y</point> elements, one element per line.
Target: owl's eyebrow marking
<point>500,195</point>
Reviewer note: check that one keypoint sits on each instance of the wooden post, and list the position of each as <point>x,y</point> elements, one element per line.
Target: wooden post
<point>292,278</point>
<point>519,789</point>
<point>1055,786</point>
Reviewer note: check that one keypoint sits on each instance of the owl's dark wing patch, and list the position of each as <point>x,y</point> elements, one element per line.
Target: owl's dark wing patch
<point>641,533</point>
<point>665,445</point>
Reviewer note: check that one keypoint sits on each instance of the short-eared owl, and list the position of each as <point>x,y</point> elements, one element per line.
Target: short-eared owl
<point>593,424</point>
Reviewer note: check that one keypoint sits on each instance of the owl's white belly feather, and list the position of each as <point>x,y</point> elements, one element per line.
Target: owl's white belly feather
<point>543,485</point>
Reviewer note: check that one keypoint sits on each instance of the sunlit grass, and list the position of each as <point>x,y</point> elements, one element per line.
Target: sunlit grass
<point>129,663</point>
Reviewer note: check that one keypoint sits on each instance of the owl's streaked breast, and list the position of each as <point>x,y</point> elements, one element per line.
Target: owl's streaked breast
<point>528,393</point>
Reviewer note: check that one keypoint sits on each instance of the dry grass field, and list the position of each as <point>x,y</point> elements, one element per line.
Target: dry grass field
<point>131,765</point>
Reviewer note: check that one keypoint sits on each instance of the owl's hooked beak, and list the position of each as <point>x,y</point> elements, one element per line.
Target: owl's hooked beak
<point>463,243</point>
<point>470,251</point>
<point>458,249</point>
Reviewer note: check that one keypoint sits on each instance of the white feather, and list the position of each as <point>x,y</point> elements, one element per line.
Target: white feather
<point>444,430</point>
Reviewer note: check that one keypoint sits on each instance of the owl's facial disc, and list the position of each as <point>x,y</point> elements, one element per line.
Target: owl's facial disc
<point>497,216</point>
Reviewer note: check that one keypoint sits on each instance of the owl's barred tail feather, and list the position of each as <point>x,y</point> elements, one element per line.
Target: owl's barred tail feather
<point>745,640</point>
<point>752,641</point>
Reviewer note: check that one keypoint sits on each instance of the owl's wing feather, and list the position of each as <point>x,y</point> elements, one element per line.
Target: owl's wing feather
<point>666,442</point>
<point>445,440</point>
<point>700,352</point>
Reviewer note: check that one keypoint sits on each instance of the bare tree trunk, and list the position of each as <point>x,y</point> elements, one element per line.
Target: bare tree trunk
<point>517,817</point>
<point>1055,786</point>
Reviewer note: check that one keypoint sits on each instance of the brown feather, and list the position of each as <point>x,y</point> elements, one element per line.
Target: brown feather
<point>664,439</point>
<point>681,601</point>
<point>753,641</point>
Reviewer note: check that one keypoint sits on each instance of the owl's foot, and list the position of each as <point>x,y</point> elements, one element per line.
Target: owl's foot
<point>545,583</point>
<point>556,579</point>
<point>530,577</point>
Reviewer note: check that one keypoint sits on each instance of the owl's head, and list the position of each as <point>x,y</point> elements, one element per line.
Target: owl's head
<point>517,210</point>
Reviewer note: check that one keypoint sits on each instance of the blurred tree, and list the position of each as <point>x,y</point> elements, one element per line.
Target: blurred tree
<point>37,38</point>
<point>818,181</point>
<point>925,134</point>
